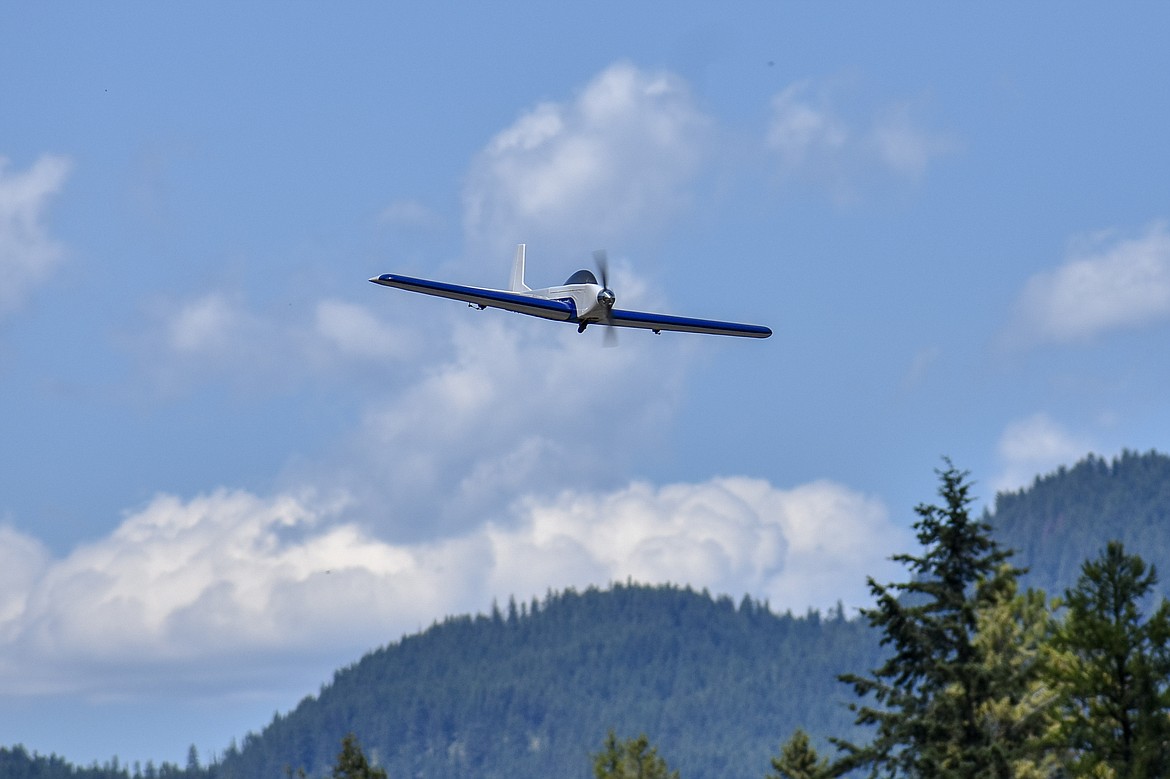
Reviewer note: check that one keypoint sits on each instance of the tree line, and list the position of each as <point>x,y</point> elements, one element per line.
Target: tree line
<point>959,670</point>
<point>985,680</point>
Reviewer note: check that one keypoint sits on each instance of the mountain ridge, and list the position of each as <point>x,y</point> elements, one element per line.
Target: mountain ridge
<point>530,691</point>
<point>515,702</point>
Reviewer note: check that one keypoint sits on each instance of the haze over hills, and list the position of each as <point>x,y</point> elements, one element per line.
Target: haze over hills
<point>531,689</point>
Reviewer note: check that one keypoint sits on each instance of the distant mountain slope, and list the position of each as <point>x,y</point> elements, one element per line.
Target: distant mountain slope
<point>1066,517</point>
<point>532,693</point>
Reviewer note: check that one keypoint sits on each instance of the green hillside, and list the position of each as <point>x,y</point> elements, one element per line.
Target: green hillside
<point>533,691</point>
<point>1068,516</point>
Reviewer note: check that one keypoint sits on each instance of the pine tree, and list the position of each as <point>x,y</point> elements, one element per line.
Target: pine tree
<point>633,758</point>
<point>799,760</point>
<point>1113,670</point>
<point>930,700</point>
<point>352,763</point>
<point>193,767</point>
<point>1013,637</point>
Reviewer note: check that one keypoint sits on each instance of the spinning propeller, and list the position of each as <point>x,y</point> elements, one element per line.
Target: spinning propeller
<point>605,297</point>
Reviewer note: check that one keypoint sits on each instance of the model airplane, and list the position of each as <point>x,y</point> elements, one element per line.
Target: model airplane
<point>580,300</point>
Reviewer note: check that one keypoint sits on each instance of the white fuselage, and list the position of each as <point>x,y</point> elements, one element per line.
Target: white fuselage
<point>582,296</point>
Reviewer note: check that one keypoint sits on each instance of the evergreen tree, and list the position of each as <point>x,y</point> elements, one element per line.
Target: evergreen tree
<point>193,767</point>
<point>1112,670</point>
<point>352,763</point>
<point>633,758</point>
<point>799,760</point>
<point>932,696</point>
<point>1013,641</point>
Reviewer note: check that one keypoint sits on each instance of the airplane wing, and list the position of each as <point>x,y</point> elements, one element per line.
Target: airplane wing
<point>480,296</point>
<point>657,322</point>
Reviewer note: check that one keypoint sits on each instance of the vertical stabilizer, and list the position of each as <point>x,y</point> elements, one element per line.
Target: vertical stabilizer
<point>517,282</point>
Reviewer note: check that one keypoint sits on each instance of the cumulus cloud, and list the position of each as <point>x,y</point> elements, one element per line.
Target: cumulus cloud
<point>808,546</point>
<point>1035,445</point>
<point>812,140</point>
<point>22,561</point>
<point>611,162</point>
<point>211,587</point>
<point>183,584</point>
<point>803,127</point>
<point>450,421</point>
<point>27,253</point>
<point>518,405</point>
<point>1106,283</point>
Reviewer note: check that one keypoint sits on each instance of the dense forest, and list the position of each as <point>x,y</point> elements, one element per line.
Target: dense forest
<point>1068,516</point>
<point>533,688</point>
<point>982,678</point>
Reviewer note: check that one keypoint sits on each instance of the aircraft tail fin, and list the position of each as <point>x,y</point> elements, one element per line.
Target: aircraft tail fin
<point>516,284</point>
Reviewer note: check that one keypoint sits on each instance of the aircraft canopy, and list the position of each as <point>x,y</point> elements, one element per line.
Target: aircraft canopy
<point>582,277</point>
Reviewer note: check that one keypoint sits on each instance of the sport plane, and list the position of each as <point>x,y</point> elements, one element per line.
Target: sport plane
<point>580,300</point>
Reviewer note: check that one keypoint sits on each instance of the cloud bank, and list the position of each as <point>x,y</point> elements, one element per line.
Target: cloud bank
<point>215,588</point>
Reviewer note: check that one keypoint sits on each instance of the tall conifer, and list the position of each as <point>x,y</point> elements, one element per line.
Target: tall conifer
<point>929,702</point>
<point>1113,670</point>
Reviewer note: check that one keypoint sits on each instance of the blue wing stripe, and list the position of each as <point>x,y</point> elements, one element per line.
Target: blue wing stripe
<point>496,298</point>
<point>648,321</point>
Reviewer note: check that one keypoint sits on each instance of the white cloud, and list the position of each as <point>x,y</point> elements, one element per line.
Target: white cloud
<point>518,404</point>
<point>1033,446</point>
<point>217,335</point>
<point>614,161</point>
<point>212,587</point>
<point>183,584</point>
<point>1105,284</point>
<point>803,127</point>
<point>211,325</point>
<point>22,561</point>
<point>809,546</point>
<point>451,420</point>
<point>812,140</point>
<point>905,148</point>
<point>27,254</point>
<point>358,333</point>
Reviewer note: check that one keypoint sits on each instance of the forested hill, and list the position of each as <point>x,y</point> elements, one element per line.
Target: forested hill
<point>531,693</point>
<point>1066,517</point>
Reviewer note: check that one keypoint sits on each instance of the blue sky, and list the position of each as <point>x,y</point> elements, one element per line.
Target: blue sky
<point>229,465</point>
